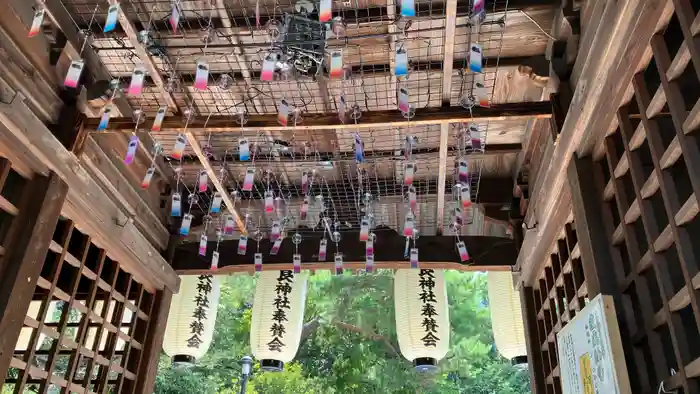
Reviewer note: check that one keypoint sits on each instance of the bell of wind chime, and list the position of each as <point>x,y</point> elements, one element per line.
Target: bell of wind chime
<point>278,318</point>
<point>190,326</point>
<point>422,316</point>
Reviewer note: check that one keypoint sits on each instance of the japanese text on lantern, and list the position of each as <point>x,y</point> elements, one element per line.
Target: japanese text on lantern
<point>428,311</point>
<point>199,315</point>
<point>281,305</point>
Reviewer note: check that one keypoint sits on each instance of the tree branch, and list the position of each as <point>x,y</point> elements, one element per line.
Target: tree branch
<point>371,335</point>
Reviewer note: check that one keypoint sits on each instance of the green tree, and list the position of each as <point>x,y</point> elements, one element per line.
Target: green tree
<point>349,344</point>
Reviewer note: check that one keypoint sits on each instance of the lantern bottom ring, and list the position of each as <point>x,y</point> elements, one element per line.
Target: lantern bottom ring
<point>183,360</point>
<point>425,364</point>
<point>518,360</point>
<point>271,365</point>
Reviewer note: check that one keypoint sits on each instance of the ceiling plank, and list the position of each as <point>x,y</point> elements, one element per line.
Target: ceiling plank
<point>353,266</point>
<point>449,53</point>
<point>372,119</point>
<point>213,176</point>
<point>442,174</point>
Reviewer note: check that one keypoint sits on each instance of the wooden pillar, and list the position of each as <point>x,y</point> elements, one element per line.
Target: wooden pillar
<point>146,378</point>
<point>26,248</point>
<point>534,352</point>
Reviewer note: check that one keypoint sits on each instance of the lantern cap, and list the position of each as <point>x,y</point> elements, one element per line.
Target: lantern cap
<point>183,360</point>
<point>271,365</point>
<point>425,364</point>
<point>519,360</point>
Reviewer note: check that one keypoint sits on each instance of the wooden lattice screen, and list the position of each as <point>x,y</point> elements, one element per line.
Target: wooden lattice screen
<point>636,214</point>
<point>77,322</point>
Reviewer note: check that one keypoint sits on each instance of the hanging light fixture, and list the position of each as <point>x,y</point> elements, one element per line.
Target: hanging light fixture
<point>278,317</point>
<point>190,327</point>
<point>422,316</point>
<point>506,317</point>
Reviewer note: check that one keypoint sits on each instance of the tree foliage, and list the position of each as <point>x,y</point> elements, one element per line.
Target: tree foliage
<point>349,344</point>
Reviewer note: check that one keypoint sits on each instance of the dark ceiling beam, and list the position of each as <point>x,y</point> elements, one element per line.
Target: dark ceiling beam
<point>371,119</point>
<point>350,16</point>
<point>386,154</point>
<point>389,247</point>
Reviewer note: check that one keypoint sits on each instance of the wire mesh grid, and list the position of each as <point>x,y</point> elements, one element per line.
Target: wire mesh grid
<point>233,38</point>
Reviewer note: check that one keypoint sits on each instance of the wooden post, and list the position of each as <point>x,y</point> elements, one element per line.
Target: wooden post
<point>146,379</point>
<point>27,245</point>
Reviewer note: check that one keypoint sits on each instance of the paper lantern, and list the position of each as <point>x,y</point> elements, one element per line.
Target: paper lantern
<point>506,317</point>
<point>191,319</point>
<point>278,317</point>
<point>25,334</point>
<point>422,316</point>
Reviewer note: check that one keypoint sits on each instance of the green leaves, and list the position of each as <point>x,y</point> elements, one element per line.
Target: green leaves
<point>350,344</point>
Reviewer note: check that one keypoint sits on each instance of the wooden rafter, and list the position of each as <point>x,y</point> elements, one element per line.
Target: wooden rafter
<point>372,119</point>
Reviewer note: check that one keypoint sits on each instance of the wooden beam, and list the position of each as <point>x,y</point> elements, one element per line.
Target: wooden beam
<point>213,176</point>
<point>389,248</point>
<point>442,175</point>
<point>373,119</point>
<point>626,29</point>
<point>88,205</point>
<point>349,266</point>
<point>449,51</point>
<point>158,320</point>
<point>28,243</point>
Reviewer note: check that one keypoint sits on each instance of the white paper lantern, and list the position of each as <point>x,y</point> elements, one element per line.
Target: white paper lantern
<point>278,317</point>
<point>506,317</point>
<point>189,331</point>
<point>422,316</point>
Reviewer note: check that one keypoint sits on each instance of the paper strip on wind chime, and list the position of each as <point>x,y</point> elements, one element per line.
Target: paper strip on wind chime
<point>476,135</point>
<point>462,249</point>
<point>202,75</point>
<point>104,120</point>
<point>463,170</point>
<point>408,8</point>
<point>412,198</point>
<point>203,244</point>
<point>409,170</point>
<point>112,15</point>
<point>342,109</point>
<point>131,149</point>
<point>475,58</point>
<point>136,84</point>
<point>403,101</point>
<point>283,112</point>
<point>174,17</point>
<point>364,229</point>
<point>276,247</point>
<point>369,247</point>
<point>369,264</point>
<point>336,64</point>
<point>203,180</point>
<point>359,149</point>
<point>73,75</point>
<point>458,216</point>
<point>269,202</point>
<point>37,22</point>
<point>243,150</point>
<point>478,8</point>
<point>216,202</point>
<point>275,230</point>
<point>146,182</point>
<point>408,226</point>
<point>175,205</point>
<point>401,64</point>
<point>158,121</point>
<point>186,223</point>
<point>179,147</point>
<point>228,225</point>
<point>242,245</point>
<point>414,258</point>
<point>322,249</point>
<point>249,178</point>
<point>268,68</point>
<point>296,259</point>
<point>325,12</point>
<point>304,210</point>
<point>465,195</point>
<point>304,182</point>
<point>258,262</point>
<point>214,260</point>
<point>479,89</point>
<point>339,264</point>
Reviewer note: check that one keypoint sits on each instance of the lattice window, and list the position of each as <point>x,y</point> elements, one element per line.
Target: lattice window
<point>86,327</point>
<point>559,292</point>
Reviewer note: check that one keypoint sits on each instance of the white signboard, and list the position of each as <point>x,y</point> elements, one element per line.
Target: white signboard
<point>591,360</point>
